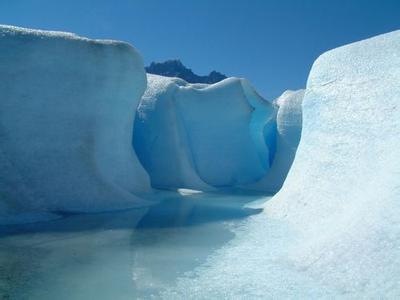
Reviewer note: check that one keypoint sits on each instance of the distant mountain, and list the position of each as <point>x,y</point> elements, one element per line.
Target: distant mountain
<point>175,68</point>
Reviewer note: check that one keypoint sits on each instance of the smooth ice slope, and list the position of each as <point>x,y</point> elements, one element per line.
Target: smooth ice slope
<point>289,122</point>
<point>342,192</point>
<point>197,136</point>
<point>66,112</point>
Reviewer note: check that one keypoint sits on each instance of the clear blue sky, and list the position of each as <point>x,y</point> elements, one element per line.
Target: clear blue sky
<point>272,43</point>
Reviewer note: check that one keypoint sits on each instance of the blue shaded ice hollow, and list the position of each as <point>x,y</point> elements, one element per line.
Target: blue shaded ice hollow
<point>207,136</point>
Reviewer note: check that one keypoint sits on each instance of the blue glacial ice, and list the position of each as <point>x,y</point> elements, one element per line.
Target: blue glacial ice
<point>68,127</point>
<point>201,136</point>
<point>287,137</point>
<point>66,113</point>
<point>70,142</point>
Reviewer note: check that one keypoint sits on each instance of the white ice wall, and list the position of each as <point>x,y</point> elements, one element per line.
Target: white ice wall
<point>342,193</point>
<point>66,118</point>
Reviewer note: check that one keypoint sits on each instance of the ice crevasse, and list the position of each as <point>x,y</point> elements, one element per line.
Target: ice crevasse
<point>286,139</point>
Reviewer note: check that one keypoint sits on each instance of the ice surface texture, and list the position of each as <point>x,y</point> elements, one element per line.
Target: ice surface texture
<point>67,105</point>
<point>342,192</point>
<point>197,135</point>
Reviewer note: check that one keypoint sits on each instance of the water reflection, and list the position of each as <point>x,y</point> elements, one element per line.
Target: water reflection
<point>190,208</point>
<point>121,255</point>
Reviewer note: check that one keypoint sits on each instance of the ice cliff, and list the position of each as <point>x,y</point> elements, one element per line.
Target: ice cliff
<point>67,108</point>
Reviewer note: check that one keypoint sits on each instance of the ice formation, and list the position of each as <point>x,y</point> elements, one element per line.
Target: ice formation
<point>333,229</point>
<point>66,113</point>
<point>289,123</point>
<point>342,191</point>
<point>67,110</point>
<point>197,136</point>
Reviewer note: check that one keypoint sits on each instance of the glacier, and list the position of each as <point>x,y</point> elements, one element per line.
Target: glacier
<point>332,231</point>
<point>201,136</point>
<point>72,142</point>
<point>83,129</point>
<point>66,114</point>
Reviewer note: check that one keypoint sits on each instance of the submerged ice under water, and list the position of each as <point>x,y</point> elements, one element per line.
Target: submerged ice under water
<point>137,253</point>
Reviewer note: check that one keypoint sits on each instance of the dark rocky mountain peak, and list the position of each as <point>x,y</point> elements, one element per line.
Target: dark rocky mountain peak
<point>175,68</point>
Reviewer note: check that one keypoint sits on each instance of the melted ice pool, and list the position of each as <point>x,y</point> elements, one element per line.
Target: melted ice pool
<point>132,254</point>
